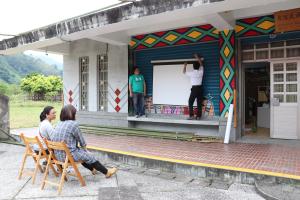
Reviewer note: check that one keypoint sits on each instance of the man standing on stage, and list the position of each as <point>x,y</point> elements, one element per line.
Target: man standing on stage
<point>137,89</point>
<point>196,77</point>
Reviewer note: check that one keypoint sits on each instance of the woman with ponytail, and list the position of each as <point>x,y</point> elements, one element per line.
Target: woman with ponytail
<point>46,117</point>
<point>45,128</point>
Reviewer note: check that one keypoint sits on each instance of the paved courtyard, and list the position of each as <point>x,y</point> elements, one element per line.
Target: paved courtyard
<point>282,160</point>
<point>130,183</point>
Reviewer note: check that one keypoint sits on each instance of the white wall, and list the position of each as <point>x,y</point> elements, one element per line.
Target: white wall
<point>71,80</point>
<point>117,73</point>
<point>118,77</point>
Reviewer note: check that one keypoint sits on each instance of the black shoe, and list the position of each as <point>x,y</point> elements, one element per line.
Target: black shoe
<point>191,118</point>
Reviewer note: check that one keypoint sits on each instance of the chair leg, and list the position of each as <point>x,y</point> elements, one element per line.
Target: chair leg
<point>22,166</point>
<point>46,172</point>
<point>63,176</point>
<point>36,167</point>
<point>39,166</point>
<point>78,174</point>
<point>61,170</point>
<point>53,169</point>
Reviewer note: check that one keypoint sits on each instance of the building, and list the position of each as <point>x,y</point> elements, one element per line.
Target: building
<point>251,51</point>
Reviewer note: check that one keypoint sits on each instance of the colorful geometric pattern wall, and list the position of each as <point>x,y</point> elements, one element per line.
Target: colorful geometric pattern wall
<point>179,36</point>
<point>255,26</point>
<point>227,70</point>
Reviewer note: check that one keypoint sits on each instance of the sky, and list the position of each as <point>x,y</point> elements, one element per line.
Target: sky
<point>18,16</point>
<point>56,57</point>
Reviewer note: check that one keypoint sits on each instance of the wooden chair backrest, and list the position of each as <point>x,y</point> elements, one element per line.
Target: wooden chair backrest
<point>59,146</point>
<point>56,145</point>
<point>31,141</point>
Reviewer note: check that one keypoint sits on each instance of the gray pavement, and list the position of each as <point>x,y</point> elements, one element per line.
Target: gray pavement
<point>30,132</point>
<point>278,191</point>
<point>129,184</point>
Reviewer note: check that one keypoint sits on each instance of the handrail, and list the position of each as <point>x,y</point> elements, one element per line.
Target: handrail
<point>8,135</point>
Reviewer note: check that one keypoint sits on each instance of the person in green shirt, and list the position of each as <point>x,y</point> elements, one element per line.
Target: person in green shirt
<point>137,89</point>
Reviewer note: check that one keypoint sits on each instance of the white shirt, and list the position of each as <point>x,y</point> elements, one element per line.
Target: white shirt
<point>45,131</point>
<point>196,76</point>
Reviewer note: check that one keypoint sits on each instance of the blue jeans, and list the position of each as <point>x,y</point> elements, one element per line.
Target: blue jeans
<point>138,103</point>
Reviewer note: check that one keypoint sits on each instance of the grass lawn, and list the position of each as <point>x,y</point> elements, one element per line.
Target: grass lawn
<point>25,114</point>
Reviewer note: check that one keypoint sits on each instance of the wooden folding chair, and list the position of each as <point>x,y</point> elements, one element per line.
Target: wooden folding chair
<point>69,161</point>
<point>36,157</point>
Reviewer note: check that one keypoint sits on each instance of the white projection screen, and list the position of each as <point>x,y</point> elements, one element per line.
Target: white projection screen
<point>170,85</point>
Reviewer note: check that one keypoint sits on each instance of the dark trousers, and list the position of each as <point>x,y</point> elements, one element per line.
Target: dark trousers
<point>138,103</point>
<point>96,165</point>
<point>196,93</point>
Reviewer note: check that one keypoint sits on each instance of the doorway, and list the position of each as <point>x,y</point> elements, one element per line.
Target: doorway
<point>256,100</point>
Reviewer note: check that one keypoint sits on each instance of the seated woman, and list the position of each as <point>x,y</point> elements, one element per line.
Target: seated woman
<point>45,127</point>
<point>67,130</point>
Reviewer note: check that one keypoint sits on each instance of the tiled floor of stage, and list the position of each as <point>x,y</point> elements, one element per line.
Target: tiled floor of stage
<point>262,157</point>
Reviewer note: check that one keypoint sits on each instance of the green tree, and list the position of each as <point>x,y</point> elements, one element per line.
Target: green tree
<point>3,88</point>
<point>56,83</point>
<point>56,87</point>
<point>40,86</point>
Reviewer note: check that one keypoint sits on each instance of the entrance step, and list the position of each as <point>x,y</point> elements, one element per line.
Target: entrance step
<point>119,131</point>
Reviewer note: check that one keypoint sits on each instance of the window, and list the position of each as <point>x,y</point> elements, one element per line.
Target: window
<point>278,67</point>
<point>270,51</point>
<point>293,42</point>
<point>262,46</point>
<point>248,47</point>
<point>291,66</point>
<point>261,55</point>
<point>248,55</point>
<point>83,73</point>
<point>102,70</point>
<point>277,44</point>
<point>285,82</point>
<point>277,53</point>
<point>293,52</point>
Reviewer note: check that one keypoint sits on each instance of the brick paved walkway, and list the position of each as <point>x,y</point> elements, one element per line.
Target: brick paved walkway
<point>268,159</point>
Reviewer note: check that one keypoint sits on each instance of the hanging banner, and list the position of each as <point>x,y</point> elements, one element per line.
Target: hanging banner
<point>288,20</point>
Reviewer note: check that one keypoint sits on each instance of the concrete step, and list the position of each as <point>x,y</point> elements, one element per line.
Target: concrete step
<point>98,130</point>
